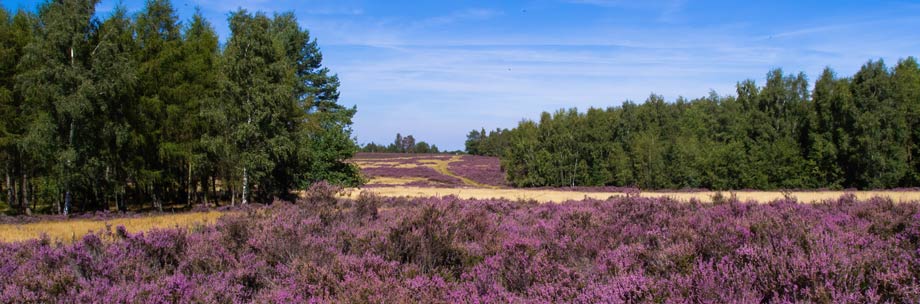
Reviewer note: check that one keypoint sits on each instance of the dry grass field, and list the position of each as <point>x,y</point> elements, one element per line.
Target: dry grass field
<point>399,175</point>
<point>69,230</point>
<point>558,196</point>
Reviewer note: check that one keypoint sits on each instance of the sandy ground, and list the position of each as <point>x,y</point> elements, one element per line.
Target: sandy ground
<point>557,196</point>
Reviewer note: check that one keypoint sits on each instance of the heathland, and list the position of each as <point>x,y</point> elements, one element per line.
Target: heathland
<point>446,250</point>
<point>145,161</point>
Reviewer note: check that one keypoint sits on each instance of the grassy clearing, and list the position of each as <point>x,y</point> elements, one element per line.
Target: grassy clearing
<point>557,196</point>
<point>69,230</point>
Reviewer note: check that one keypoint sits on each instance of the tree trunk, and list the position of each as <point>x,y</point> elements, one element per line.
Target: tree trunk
<point>10,195</point>
<point>214,187</point>
<point>156,200</point>
<point>205,188</point>
<point>245,199</point>
<point>105,192</point>
<point>188,188</point>
<point>25,195</point>
<point>121,195</point>
<point>67,202</point>
<point>57,202</point>
<point>32,192</point>
<point>232,197</point>
<point>67,195</point>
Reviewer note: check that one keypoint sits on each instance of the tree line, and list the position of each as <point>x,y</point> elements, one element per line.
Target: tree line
<point>402,144</point>
<point>141,110</point>
<point>860,132</point>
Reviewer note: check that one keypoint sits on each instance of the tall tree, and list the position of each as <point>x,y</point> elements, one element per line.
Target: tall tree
<point>55,83</point>
<point>114,75</point>
<point>323,135</point>
<point>258,90</point>
<point>203,124</point>
<point>851,132</point>
<point>830,114</point>
<point>398,143</point>
<point>8,107</point>
<point>160,61</point>
<point>878,129</point>
<point>473,141</point>
<point>145,110</point>
<point>906,82</point>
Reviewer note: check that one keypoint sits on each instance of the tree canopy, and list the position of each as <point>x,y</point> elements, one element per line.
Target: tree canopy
<point>847,132</point>
<point>142,109</point>
<point>402,144</point>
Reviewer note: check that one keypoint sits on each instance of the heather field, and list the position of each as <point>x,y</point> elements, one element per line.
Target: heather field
<point>450,250</point>
<point>566,151</point>
<point>481,177</point>
<point>430,170</point>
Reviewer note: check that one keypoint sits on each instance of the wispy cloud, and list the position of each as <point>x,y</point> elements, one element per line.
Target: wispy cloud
<point>667,9</point>
<point>458,16</point>
<point>440,69</point>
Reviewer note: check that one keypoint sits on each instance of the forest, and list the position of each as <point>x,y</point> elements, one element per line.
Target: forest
<point>138,110</point>
<point>402,144</point>
<point>859,132</point>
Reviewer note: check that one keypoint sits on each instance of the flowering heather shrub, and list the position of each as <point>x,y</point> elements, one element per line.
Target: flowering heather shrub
<point>481,169</point>
<point>450,250</point>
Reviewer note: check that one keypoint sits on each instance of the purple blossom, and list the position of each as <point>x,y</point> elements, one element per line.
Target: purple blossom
<point>446,250</point>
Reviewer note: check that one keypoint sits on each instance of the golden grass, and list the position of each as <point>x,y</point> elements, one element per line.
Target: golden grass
<point>383,180</point>
<point>69,230</point>
<point>557,196</point>
<point>482,191</point>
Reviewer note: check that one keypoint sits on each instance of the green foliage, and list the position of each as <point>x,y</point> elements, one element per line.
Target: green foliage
<point>142,111</point>
<point>482,143</point>
<point>402,145</point>
<point>858,132</point>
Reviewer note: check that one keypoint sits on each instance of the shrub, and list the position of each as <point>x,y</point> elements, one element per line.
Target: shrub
<point>366,204</point>
<point>445,250</point>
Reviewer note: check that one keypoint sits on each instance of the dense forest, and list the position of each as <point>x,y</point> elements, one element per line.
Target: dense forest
<point>847,132</point>
<point>142,109</point>
<point>402,144</point>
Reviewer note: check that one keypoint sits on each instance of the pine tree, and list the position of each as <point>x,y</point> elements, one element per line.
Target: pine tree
<point>159,57</point>
<point>115,79</point>
<point>201,129</point>
<point>322,135</point>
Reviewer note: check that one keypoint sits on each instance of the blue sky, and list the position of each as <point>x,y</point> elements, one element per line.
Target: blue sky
<point>437,69</point>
